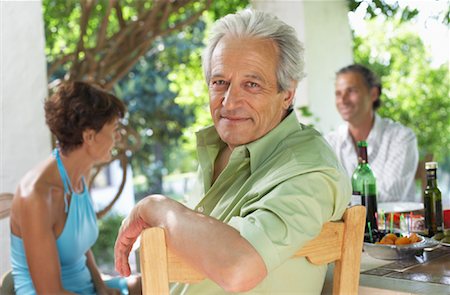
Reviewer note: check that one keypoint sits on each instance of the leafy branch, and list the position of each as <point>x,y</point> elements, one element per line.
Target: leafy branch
<point>111,37</point>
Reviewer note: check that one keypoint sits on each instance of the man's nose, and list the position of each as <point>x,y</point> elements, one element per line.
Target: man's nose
<point>342,97</point>
<point>232,97</point>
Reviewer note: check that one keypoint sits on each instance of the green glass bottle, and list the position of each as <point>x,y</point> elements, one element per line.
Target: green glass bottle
<point>432,201</point>
<point>364,185</point>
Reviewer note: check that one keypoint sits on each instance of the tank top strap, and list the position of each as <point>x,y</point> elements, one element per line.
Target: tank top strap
<point>65,179</point>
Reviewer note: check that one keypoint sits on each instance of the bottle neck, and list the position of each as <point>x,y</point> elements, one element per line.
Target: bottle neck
<point>362,155</point>
<point>431,177</point>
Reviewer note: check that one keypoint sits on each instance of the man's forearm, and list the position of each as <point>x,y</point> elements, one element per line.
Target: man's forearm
<point>213,247</point>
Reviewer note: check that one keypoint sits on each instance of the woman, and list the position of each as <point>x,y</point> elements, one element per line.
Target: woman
<point>53,223</point>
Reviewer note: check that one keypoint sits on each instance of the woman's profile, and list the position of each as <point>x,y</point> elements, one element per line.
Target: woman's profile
<point>53,222</point>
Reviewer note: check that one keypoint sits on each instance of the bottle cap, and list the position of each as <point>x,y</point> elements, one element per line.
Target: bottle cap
<point>361,143</point>
<point>431,165</point>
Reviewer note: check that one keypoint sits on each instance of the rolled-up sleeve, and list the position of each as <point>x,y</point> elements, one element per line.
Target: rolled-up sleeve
<point>290,215</point>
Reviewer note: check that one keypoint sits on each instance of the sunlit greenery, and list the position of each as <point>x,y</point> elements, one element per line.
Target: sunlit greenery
<point>104,247</point>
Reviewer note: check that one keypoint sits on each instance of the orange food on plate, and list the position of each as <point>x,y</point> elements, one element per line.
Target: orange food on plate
<point>387,241</point>
<point>403,241</point>
<point>414,238</point>
<point>391,236</point>
<point>392,239</point>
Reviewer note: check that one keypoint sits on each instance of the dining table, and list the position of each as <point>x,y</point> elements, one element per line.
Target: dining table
<point>428,273</point>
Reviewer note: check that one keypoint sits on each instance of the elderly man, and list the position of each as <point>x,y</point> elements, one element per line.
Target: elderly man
<point>269,182</point>
<point>392,147</point>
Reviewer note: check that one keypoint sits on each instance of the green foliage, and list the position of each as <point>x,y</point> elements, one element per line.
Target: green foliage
<point>375,8</point>
<point>101,40</point>
<point>103,249</point>
<point>155,109</point>
<point>222,8</point>
<point>414,93</point>
<point>307,115</point>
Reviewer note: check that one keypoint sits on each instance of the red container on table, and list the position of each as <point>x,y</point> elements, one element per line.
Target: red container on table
<point>446,217</point>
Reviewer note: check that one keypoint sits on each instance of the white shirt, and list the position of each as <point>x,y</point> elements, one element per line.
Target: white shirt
<point>392,154</point>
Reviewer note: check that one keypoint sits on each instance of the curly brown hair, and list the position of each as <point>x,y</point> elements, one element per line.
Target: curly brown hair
<point>76,107</point>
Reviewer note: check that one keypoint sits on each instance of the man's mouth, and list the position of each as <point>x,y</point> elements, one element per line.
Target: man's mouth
<point>233,118</point>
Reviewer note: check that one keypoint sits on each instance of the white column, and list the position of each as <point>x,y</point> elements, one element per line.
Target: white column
<point>24,138</point>
<point>324,29</point>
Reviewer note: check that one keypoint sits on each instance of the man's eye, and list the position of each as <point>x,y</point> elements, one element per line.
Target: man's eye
<point>252,84</point>
<point>219,82</point>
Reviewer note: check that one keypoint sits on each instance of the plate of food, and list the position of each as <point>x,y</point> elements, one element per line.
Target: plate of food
<point>393,246</point>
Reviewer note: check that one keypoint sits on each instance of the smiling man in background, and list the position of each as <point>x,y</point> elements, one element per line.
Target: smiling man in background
<point>392,147</point>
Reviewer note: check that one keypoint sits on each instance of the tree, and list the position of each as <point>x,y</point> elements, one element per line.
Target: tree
<point>375,8</point>
<point>154,109</point>
<point>102,40</point>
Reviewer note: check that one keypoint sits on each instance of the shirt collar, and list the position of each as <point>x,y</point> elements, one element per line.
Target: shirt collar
<point>376,129</point>
<point>263,147</point>
<point>372,139</point>
<point>259,149</point>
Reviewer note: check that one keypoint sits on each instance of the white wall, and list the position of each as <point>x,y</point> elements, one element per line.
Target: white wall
<point>24,138</point>
<point>324,29</point>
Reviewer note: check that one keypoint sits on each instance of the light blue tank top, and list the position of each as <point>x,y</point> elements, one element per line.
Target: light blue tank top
<point>79,234</point>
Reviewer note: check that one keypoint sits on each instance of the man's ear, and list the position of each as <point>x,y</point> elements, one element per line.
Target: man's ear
<point>88,136</point>
<point>289,95</point>
<point>374,93</point>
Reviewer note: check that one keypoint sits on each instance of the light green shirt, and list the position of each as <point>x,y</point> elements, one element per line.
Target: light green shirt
<point>277,192</point>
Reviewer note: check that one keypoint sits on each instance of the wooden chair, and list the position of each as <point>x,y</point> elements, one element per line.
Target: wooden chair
<point>5,204</point>
<point>340,242</point>
<point>6,282</point>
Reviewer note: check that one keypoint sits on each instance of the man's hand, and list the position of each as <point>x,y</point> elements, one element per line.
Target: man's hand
<point>209,245</point>
<point>130,230</point>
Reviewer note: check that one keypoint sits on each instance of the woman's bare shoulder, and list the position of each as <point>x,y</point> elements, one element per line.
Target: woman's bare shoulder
<point>40,184</point>
<point>37,196</point>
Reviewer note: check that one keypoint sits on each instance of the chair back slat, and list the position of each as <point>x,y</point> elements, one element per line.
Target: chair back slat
<point>340,242</point>
<point>327,246</point>
<point>6,279</point>
<point>346,269</point>
<point>5,204</point>
<point>153,257</point>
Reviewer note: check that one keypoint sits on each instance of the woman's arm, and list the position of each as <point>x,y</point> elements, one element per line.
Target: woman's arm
<point>36,220</point>
<point>100,286</point>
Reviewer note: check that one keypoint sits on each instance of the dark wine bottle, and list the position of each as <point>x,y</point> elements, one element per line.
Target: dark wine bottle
<point>432,201</point>
<point>364,185</point>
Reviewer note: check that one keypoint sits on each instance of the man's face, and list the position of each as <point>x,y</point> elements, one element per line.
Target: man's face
<point>354,99</point>
<point>245,103</point>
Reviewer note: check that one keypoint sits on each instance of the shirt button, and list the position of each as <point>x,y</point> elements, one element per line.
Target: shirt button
<point>200,209</point>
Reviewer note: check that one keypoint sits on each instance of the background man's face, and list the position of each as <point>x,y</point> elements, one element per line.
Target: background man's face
<point>244,100</point>
<point>353,98</point>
